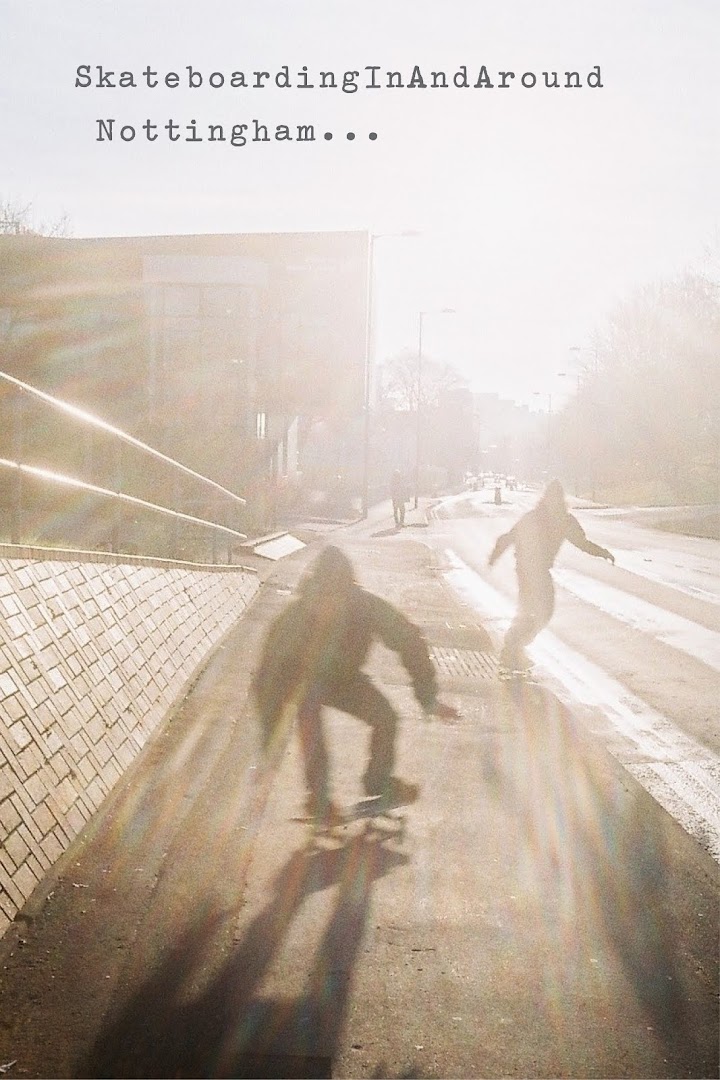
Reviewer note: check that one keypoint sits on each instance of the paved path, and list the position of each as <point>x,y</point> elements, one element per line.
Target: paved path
<point>533,913</point>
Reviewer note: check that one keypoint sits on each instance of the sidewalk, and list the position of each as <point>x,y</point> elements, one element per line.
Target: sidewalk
<point>533,913</point>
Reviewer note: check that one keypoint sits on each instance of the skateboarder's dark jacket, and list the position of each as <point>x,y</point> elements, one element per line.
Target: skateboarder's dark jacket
<point>319,643</point>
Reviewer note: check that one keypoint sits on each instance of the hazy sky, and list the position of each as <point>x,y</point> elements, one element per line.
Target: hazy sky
<point>538,208</point>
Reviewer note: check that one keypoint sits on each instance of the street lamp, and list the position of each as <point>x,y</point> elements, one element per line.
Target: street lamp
<point>433,311</point>
<point>576,350</point>
<point>548,428</point>
<point>369,356</point>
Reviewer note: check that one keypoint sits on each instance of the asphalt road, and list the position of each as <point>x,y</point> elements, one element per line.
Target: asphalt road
<point>534,913</point>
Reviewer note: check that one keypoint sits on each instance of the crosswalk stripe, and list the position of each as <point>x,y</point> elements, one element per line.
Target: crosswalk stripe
<point>675,630</point>
<point>662,568</point>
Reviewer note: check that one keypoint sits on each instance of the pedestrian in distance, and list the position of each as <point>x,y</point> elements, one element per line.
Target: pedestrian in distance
<point>537,537</point>
<point>399,495</point>
<point>313,657</point>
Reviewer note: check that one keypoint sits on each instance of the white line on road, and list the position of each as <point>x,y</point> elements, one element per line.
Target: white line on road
<point>662,567</point>
<point>674,630</point>
<point>679,772</point>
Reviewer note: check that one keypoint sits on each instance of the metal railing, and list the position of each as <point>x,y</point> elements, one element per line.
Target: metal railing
<point>86,516</point>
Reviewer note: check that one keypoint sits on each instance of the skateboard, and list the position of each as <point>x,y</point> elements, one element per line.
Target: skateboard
<point>323,824</point>
<point>380,823</point>
<point>374,808</point>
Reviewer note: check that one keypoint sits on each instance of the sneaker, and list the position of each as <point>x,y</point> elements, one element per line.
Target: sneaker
<point>515,660</point>
<point>324,811</point>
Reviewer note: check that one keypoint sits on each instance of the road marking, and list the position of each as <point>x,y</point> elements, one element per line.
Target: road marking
<point>680,773</point>
<point>674,630</point>
<point>661,567</point>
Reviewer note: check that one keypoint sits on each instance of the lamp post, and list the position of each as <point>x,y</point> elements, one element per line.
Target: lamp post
<point>418,422</point>
<point>369,356</point>
<point>548,429</point>
<point>574,366</point>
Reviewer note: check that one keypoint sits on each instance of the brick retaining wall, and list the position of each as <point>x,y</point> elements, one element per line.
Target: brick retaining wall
<point>93,653</point>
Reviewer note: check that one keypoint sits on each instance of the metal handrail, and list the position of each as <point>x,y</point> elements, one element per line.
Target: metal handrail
<point>92,421</point>
<point>83,485</point>
<point>110,429</point>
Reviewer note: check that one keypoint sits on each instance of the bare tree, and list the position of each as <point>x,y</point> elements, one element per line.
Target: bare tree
<point>402,376</point>
<point>18,230</point>
<point>646,415</point>
<point>16,219</point>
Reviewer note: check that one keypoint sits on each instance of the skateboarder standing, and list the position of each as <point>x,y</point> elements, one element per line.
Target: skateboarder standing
<point>313,657</point>
<point>537,537</point>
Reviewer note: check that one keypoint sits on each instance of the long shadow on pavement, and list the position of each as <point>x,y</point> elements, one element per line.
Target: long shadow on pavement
<point>600,873</point>
<point>231,1029</point>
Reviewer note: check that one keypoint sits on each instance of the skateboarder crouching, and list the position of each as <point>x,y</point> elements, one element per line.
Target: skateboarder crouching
<point>537,537</point>
<point>313,656</point>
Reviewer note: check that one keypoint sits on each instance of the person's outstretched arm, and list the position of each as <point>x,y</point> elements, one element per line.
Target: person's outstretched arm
<point>501,544</point>
<point>401,635</point>
<point>576,535</point>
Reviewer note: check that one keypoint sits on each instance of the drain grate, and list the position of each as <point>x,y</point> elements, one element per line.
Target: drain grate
<point>465,663</point>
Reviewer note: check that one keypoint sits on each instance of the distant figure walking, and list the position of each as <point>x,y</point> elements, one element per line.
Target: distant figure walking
<point>313,657</point>
<point>399,495</point>
<point>537,537</point>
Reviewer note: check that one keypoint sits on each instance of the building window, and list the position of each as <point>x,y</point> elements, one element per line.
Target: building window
<point>261,425</point>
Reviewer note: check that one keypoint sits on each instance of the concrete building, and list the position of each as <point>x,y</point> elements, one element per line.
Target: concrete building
<point>231,353</point>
